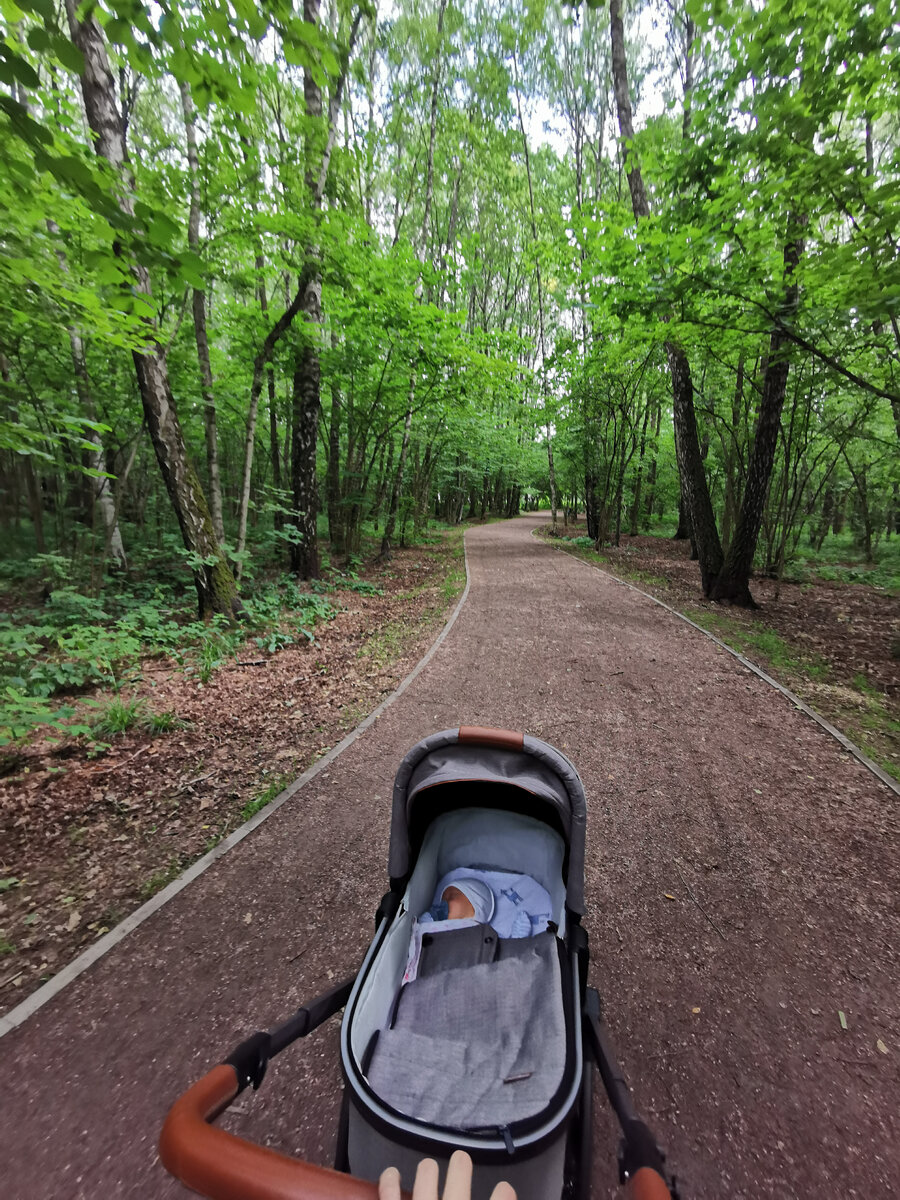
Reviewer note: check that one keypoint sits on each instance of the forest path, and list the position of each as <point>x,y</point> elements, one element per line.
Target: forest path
<point>698,776</point>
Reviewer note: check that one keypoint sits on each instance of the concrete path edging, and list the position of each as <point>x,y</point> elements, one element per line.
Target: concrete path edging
<point>849,746</point>
<point>30,1005</point>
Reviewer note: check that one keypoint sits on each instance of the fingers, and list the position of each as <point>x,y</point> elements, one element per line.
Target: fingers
<point>426,1185</point>
<point>459,1177</point>
<point>458,1185</point>
<point>503,1191</point>
<point>389,1184</point>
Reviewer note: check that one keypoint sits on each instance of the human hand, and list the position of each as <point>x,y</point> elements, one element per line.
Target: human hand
<point>458,1185</point>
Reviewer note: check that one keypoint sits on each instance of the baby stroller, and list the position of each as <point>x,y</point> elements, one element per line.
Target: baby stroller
<point>492,1047</point>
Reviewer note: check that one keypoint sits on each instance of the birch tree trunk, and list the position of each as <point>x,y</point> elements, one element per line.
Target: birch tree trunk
<point>216,590</point>
<point>198,308</point>
<point>306,398</point>
<point>102,486</point>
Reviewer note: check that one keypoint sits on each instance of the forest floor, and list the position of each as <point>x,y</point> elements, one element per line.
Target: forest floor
<point>89,833</point>
<point>835,644</point>
<point>740,880</point>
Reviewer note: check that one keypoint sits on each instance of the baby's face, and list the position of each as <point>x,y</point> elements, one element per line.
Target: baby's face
<point>458,903</point>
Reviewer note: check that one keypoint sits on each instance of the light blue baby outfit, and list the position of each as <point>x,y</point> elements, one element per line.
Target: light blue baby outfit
<point>521,906</point>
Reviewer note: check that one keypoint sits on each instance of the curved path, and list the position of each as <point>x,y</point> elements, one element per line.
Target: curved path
<point>704,788</point>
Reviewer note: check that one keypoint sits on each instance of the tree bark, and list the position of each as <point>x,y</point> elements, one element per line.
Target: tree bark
<point>687,442</point>
<point>216,590</point>
<point>636,502</point>
<point>336,530</point>
<point>391,522</point>
<point>733,583</point>
<point>198,308</point>
<point>551,465</point>
<point>307,405</point>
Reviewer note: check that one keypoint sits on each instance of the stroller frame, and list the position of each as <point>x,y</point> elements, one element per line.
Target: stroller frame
<point>219,1165</point>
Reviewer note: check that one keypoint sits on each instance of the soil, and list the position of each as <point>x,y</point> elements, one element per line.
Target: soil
<point>843,639</point>
<point>87,840</point>
<point>741,875</point>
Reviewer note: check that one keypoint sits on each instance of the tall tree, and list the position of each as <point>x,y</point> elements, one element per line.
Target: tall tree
<point>687,441</point>
<point>216,591</point>
<point>198,309</point>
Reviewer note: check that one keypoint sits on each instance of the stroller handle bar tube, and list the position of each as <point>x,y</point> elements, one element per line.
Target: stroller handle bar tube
<point>500,739</point>
<point>224,1167</point>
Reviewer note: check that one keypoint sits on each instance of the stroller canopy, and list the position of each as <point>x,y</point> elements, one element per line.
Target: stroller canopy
<point>491,756</point>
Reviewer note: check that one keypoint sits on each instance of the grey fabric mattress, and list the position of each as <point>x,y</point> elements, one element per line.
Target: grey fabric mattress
<point>478,1039</point>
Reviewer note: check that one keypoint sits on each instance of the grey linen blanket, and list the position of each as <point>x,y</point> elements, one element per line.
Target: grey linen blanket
<point>480,1045</point>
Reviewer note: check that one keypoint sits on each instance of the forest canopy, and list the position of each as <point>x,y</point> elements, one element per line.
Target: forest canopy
<point>278,276</point>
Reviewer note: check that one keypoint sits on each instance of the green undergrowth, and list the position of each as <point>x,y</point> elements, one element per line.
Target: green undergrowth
<point>52,651</point>
<point>840,560</point>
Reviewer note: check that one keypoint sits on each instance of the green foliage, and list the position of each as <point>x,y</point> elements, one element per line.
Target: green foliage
<point>272,789</point>
<point>118,716</point>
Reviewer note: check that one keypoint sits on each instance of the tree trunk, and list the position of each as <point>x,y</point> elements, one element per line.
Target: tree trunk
<point>391,521</point>
<point>636,502</point>
<point>198,308</point>
<point>103,493</point>
<point>307,405</point>
<point>687,442</point>
<point>102,487</point>
<point>651,473</point>
<point>216,590</point>
<point>540,298</point>
<point>732,457</point>
<point>733,583</point>
<point>304,552</point>
<point>333,478</point>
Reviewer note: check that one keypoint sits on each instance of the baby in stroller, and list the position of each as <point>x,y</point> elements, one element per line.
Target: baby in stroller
<point>515,906</point>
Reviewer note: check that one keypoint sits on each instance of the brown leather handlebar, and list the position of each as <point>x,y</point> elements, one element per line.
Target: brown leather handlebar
<point>482,735</point>
<point>647,1184</point>
<point>224,1167</point>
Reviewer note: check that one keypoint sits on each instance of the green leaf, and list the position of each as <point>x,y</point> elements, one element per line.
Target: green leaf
<point>68,54</point>
<point>14,68</point>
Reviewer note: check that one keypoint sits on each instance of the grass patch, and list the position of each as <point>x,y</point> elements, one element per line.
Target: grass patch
<point>387,644</point>
<point>160,879</point>
<point>163,722</point>
<point>118,716</point>
<point>266,796</point>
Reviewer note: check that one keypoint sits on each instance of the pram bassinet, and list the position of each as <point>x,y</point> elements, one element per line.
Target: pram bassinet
<point>493,1047</point>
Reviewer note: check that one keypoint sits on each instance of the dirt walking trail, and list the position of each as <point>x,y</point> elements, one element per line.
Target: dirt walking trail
<point>700,779</point>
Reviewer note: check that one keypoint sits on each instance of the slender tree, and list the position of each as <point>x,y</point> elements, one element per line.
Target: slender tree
<point>216,591</point>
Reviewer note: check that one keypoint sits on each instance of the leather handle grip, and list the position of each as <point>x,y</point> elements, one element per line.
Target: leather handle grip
<point>647,1184</point>
<point>483,735</point>
<point>224,1167</point>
